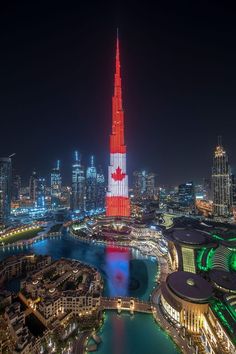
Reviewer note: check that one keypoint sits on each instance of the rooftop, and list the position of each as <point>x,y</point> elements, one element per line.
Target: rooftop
<point>189,286</point>
<point>221,233</point>
<point>224,279</point>
<point>188,236</point>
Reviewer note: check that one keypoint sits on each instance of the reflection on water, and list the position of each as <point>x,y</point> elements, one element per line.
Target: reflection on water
<point>125,273</point>
<point>137,334</point>
<point>118,329</point>
<point>117,270</point>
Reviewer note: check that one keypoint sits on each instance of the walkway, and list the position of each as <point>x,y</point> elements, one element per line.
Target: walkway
<point>125,304</point>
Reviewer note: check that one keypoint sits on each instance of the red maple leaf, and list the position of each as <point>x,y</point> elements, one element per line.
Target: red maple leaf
<point>118,175</point>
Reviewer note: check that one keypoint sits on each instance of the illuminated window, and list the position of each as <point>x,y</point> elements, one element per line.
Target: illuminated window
<point>188,260</point>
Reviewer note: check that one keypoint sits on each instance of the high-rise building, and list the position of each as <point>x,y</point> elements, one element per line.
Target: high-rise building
<point>101,189</point>
<point>78,185</point>
<point>186,195</point>
<point>16,186</point>
<point>151,185</point>
<point>144,185</point>
<point>221,183</point>
<point>32,186</point>
<point>207,188</point>
<point>56,186</point>
<point>139,185</point>
<point>233,182</point>
<point>5,189</point>
<point>117,198</point>
<point>91,185</point>
<point>40,192</point>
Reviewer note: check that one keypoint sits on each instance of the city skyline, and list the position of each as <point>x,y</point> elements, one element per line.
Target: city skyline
<point>94,261</point>
<point>63,86</point>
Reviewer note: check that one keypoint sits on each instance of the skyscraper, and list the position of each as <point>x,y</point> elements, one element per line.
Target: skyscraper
<point>16,186</point>
<point>32,186</point>
<point>91,185</point>
<point>221,182</point>
<point>186,195</point>
<point>40,192</point>
<point>144,185</point>
<point>101,189</point>
<point>78,185</point>
<point>117,199</point>
<point>56,186</point>
<point>5,189</point>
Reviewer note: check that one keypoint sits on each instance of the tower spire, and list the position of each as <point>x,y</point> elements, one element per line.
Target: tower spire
<point>117,200</point>
<point>219,140</point>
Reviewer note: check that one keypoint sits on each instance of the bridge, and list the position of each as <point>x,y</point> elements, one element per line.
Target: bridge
<point>125,304</point>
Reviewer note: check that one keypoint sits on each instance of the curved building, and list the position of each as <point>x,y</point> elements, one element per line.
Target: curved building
<point>184,244</point>
<point>223,280</point>
<point>185,298</point>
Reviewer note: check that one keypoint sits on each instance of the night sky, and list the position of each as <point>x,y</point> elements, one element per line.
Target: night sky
<point>179,84</point>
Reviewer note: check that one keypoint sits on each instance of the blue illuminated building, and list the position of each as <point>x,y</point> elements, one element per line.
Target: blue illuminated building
<point>91,185</point>
<point>40,192</point>
<point>78,185</point>
<point>56,186</point>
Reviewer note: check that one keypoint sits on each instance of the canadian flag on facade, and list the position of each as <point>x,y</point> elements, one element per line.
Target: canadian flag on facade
<point>117,199</point>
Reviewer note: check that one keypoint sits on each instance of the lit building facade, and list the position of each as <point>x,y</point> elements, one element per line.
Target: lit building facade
<point>91,185</point>
<point>214,337</point>
<point>185,299</point>
<point>184,244</point>
<point>117,198</point>
<point>221,183</point>
<point>5,189</point>
<point>57,296</point>
<point>78,185</point>
<point>56,186</point>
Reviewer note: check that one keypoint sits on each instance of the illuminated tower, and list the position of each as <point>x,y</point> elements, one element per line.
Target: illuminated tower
<point>91,185</point>
<point>40,192</point>
<point>78,185</point>
<point>117,199</point>
<point>56,186</point>
<point>221,182</point>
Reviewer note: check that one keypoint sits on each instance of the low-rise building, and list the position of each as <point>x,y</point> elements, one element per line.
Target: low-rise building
<point>185,299</point>
<point>64,287</point>
<point>18,265</point>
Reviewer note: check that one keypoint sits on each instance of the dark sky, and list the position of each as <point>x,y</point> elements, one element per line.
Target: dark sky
<point>179,83</point>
